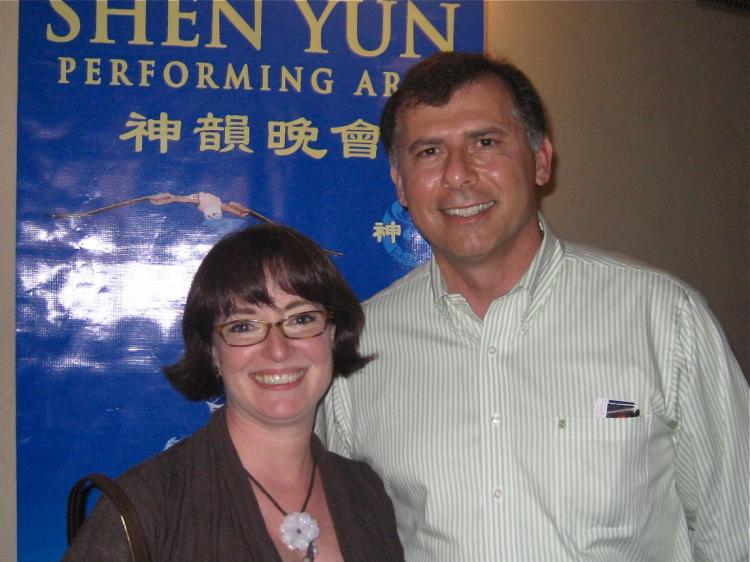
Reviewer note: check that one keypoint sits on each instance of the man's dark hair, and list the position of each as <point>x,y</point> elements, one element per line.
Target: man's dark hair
<point>237,270</point>
<point>434,80</point>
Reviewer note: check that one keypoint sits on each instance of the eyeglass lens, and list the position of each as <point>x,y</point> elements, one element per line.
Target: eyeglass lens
<point>296,326</point>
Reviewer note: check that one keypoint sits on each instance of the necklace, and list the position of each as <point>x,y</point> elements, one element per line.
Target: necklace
<point>299,529</point>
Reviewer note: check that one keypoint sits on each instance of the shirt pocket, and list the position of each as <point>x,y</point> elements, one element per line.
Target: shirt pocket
<point>601,471</point>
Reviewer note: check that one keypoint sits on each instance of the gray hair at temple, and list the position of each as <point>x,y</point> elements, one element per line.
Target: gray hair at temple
<point>434,80</point>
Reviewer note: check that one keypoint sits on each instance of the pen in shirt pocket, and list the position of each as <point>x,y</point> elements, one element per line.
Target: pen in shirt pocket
<point>605,408</point>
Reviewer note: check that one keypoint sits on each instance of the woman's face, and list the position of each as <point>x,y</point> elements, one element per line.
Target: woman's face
<point>278,381</point>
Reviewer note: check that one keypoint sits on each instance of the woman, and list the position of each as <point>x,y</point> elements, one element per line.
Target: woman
<point>269,321</point>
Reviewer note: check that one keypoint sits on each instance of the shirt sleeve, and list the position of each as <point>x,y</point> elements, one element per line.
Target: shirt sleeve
<point>333,422</point>
<point>711,437</point>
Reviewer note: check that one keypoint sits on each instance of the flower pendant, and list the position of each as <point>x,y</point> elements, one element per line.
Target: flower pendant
<point>299,531</point>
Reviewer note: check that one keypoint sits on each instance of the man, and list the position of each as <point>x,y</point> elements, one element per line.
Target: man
<point>532,400</point>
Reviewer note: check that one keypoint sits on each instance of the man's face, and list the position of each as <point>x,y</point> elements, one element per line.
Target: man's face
<point>468,176</point>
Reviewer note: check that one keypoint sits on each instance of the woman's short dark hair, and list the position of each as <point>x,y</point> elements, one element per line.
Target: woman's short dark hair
<point>434,80</point>
<point>238,269</point>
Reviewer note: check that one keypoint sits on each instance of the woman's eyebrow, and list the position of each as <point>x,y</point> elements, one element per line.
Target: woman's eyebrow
<point>249,310</point>
<point>297,302</point>
<point>242,310</point>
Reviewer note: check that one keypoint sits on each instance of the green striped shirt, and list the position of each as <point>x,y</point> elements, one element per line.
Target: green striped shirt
<point>487,434</point>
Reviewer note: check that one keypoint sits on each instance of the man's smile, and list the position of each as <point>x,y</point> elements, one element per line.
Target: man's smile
<point>469,211</point>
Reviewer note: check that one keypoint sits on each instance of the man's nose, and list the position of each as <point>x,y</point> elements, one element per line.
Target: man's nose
<point>459,170</point>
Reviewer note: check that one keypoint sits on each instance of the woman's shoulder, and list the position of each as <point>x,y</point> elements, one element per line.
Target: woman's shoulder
<point>351,474</point>
<point>169,468</point>
<point>344,464</point>
<point>161,489</point>
<point>361,508</point>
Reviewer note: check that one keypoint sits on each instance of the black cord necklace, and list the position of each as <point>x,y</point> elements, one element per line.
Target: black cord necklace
<point>299,530</point>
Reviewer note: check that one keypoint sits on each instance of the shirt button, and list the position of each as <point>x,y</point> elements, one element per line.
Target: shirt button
<point>497,493</point>
<point>492,350</point>
<point>495,420</point>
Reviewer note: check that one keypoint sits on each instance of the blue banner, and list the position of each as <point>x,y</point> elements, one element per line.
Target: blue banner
<point>146,131</point>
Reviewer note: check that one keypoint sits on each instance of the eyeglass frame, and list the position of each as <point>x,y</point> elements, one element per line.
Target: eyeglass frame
<point>268,325</point>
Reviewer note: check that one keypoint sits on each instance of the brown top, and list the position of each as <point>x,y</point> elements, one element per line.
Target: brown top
<point>195,504</point>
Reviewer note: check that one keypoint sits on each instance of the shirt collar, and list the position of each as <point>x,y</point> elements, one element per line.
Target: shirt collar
<point>535,279</point>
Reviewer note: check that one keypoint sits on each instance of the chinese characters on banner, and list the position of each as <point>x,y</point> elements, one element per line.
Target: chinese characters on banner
<point>223,134</point>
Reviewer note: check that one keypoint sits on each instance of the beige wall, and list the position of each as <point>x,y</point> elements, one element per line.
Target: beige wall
<point>649,104</point>
<point>650,107</point>
<point>8,88</point>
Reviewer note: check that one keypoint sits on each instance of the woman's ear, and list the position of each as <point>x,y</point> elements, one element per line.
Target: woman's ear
<point>215,362</point>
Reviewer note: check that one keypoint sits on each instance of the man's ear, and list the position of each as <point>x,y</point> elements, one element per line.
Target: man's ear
<point>543,158</point>
<point>398,182</point>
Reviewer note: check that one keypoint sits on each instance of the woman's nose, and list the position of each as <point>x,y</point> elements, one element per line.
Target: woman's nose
<point>276,344</point>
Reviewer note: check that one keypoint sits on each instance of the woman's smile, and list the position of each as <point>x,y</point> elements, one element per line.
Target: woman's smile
<point>279,380</point>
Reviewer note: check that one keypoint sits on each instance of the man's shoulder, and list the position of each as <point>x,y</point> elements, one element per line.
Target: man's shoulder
<point>588,261</point>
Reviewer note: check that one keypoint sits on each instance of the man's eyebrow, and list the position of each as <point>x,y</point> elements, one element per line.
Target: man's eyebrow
<point>424,141</point>
<point>486,131</point>
<point>475,134</point>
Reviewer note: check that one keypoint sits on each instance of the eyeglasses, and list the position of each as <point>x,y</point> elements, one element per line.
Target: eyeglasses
<point>245,332</point>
